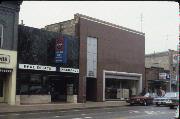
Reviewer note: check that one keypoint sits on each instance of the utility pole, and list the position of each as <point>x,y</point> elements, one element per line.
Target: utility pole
<point>177,67</point>
<point>167,38</point>
<point>141,21</point>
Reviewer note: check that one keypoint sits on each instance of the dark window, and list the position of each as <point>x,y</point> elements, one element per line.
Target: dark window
<point>24,81</point>
<point>1,88</point>
<point>33,84</point>
<point>174,68</point>
<point>1,35</point>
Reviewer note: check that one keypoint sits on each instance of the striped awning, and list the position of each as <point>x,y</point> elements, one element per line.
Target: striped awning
<point>5,70</point>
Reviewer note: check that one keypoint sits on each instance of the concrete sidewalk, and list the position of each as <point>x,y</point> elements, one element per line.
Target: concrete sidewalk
<point>4,108</point>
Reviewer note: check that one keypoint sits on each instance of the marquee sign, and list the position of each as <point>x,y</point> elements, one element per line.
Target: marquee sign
<point>37,67</point>
<point>71,70</point>
<point>4,58</point>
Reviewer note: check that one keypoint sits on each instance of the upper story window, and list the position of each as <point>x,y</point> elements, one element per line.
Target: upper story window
<point>1,35</point>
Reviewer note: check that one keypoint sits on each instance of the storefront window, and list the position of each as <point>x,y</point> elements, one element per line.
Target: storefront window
<point>1,35</point>
<point>33,84</point>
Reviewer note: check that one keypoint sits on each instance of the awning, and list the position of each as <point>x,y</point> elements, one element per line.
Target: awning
<point>122,77</point>
<point>158,81</point>
<point>5,70</point>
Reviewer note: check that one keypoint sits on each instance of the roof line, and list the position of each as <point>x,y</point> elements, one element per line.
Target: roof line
<point>107,23</point>
<point>58,23</point>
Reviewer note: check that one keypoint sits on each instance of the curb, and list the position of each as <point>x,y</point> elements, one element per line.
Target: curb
<point>51,110</point>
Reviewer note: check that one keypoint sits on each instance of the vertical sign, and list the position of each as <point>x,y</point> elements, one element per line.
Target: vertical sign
<point>91,57</point>
<point>61,50</point>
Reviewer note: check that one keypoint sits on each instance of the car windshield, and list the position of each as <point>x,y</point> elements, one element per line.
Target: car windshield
<point>170,95</point>
<point>150,95</point>
<point>147,95</point>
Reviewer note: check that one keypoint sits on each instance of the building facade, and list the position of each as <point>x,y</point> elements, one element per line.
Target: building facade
<point>48,66</point>
<point>169,62</point>
<point>9,14</point>
<point>155,78</point>
<point>111,58</point>
<point>78,60</point>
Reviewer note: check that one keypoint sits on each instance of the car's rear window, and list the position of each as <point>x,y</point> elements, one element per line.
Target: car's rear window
<point>170,95</point>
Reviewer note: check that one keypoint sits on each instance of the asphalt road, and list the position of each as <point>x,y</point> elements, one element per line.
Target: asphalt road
<point>126,112</point>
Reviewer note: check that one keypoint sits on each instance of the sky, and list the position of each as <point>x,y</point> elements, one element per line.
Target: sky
<point>160,19</point>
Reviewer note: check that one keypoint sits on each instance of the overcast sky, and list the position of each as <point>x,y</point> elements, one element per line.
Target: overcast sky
<point>160,21</point>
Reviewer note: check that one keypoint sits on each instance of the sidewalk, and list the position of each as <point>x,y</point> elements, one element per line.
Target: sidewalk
<point>4,108</point>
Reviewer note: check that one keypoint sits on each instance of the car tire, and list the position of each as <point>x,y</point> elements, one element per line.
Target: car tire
<point>157,104</point>
<point>145,103</point>
<point>171,107</point>
<point>131,104</point>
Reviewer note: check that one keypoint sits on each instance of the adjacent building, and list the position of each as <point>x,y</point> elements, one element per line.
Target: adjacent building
<point>157,77</point>
<point>162,70</point>
<point>9,14</point>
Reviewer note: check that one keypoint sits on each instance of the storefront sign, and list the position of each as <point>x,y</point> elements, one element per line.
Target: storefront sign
<point>175,59</point>
<point>164,76</point>
<point>71,70</point>
<point>4,58</point>
<point>37,67</point>
<point>61,50</point>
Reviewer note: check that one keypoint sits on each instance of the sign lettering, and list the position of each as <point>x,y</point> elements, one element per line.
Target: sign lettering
<point>71,70</point>
<point>4,58</point>
<point>37,67</point>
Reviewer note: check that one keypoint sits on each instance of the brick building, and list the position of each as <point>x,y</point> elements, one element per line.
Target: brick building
<point>111,57</point>
<point>77,60</point>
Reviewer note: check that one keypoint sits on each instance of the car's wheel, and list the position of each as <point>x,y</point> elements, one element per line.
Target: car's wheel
<point>157,104</point>
<point>131,104</point>
<point>171,107</point>
<point>145,103</point>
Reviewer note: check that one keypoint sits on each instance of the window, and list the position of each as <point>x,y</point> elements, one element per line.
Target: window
<point>1,35</point>
<point>32,84</point>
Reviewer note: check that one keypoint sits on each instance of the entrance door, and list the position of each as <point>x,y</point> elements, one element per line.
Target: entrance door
<point>91,89</point>
<point>58,88</point>
<point>1,91</point>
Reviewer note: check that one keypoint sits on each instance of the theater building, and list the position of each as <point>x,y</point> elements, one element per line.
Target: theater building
<point>9,14</point>
<point>111,58</point>
<point>47,66</point>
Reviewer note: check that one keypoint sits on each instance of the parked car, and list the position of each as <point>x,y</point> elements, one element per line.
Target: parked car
<point>177,113</point>
<point>174,101</point>
<point>165,100</point>
<point>145,100</point>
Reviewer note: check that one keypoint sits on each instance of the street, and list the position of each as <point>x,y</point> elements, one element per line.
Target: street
<point>125,112</point>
